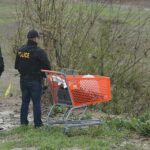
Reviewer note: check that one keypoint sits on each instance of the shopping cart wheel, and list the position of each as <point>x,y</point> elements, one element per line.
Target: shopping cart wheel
<point>66,130</point>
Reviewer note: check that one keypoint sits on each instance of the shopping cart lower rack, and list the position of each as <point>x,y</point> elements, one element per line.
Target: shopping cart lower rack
<point>76,92</point>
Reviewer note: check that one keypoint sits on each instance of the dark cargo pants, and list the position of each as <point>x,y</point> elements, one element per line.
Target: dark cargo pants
<point>31,89</point>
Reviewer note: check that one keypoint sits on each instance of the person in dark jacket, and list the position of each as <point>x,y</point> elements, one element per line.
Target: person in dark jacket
<point>1,69</point>
<point>1,63</point>
<point>30,59</point>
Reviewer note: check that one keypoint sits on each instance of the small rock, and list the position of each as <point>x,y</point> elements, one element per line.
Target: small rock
<point>1,121</point>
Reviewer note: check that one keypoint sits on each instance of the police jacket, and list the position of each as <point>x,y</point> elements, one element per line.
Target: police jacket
<point>30,59</point>
<point>1,63</point>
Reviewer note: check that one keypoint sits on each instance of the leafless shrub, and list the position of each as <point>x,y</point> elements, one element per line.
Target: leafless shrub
<point>96,38</point>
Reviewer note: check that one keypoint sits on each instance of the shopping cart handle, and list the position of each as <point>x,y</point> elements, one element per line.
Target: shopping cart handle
<point>50,71</point>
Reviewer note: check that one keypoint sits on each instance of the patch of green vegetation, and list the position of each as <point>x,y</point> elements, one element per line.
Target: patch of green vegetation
<point>129,147</point>
<point>100,137</point>
<point>110,134</point>
<point>7,12</point>
<point>118,14</point>
<point>140,125</point>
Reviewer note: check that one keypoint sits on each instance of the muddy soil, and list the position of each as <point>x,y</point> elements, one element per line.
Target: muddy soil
<point>10,113</point>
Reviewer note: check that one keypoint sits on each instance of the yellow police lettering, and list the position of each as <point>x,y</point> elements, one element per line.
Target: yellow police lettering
<point>25,55</point>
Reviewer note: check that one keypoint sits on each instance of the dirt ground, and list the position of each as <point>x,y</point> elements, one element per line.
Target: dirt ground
<point>10,113</point>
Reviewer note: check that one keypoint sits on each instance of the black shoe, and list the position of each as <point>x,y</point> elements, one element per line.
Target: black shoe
<point>1,128</point>
<point>39,126</point>
<point>24,124</point>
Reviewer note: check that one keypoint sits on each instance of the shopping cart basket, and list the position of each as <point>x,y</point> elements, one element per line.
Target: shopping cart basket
<point>74,92</point>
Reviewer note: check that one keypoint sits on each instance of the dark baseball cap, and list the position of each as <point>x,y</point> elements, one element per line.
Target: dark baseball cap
<point>32,34</point>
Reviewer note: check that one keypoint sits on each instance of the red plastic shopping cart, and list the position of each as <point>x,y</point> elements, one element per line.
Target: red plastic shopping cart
<point>76,91</point>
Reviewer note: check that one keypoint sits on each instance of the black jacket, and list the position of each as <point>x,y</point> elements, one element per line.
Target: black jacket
<point>1,63</point>
<point>30,59</point>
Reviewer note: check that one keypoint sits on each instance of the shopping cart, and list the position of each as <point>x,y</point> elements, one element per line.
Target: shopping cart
<point>74,92</point>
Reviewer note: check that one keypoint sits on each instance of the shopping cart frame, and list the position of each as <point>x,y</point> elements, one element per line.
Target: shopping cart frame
<point>65,120</point>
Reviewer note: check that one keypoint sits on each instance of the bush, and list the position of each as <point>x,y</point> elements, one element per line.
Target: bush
<point>140,125</point>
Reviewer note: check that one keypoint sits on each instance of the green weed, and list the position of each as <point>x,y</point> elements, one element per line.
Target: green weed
<point>53,138</point>
<point>140,125</point>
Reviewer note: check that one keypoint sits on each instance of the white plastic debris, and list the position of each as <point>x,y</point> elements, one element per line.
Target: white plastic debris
<point>88,76</point>
<point>60,81</point>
